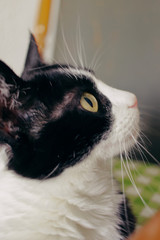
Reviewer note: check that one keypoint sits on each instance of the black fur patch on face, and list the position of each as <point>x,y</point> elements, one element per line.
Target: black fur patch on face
<point>43,120</point>
<point>57,132</point>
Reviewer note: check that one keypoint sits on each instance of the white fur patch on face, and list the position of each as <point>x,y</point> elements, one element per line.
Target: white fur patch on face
<point>125,128</point>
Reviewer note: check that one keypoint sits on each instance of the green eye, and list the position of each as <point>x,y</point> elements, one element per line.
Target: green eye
<point>89,102</point>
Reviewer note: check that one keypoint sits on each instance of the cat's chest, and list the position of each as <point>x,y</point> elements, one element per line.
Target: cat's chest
<point>61,208</point>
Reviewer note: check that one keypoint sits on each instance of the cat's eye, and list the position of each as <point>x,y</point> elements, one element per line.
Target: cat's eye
<point>89,102</point>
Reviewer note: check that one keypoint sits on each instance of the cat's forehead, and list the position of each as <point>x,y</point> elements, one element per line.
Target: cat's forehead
<point>78,72</point>
<point>65,78</point>
<point>67,71</point>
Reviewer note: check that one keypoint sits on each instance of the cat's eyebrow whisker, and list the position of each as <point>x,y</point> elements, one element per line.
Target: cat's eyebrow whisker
<point>77,70</point>
<point>39,68</point>
<point>67,47</point>
<point>64,56</point>
<point>65,71</point>
<point>80,46</point>
<point>95,63</point>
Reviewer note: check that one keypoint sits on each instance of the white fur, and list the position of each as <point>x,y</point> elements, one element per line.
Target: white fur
<point>80,204</point>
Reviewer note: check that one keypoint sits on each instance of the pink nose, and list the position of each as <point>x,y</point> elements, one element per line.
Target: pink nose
<point>135,103</point>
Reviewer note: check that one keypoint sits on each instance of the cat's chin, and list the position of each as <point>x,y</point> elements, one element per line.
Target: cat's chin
<point>123,147</point>
<point>121,139</point>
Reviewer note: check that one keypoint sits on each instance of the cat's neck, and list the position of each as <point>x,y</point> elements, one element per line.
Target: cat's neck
<point>83,198</point>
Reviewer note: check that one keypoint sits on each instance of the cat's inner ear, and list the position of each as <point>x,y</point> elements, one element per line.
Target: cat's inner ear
<point>10,85</point>
<point>33,59</point>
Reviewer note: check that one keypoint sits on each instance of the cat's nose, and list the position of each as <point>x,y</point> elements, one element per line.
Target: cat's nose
<point>133,103</point>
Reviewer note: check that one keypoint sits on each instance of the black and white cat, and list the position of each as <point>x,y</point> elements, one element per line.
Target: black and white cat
<point>61,127</point>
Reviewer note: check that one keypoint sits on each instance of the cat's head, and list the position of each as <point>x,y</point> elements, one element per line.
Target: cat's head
<point>54,116</point>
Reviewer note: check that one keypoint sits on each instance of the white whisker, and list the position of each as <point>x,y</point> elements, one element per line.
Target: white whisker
<point>96,60</point>
<point>149,108</point>
<point>50,174</point>
<point>146,150</point>
<point>128,171</point>
<point>123,189</point>
<point>80,47</point>
<point>112,181</point>
<point>67,48</point>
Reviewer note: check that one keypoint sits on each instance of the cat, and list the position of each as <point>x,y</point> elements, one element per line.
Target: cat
<point>60,128</point>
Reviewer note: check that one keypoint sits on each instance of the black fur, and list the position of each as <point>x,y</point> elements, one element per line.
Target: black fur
<point>50,130</point>
<point>128,221</point>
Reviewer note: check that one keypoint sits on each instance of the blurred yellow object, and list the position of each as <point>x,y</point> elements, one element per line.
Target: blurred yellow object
<point>150,231</point>
<point>41,25</point>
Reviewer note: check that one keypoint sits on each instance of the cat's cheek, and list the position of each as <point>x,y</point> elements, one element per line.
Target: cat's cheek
<point>122,135</point>
<point>125,130</point>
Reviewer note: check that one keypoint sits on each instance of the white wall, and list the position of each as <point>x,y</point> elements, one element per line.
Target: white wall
<point>17,18</point>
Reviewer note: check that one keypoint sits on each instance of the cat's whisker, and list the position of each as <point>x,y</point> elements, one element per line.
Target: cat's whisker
<point>66,71</point>
<point>96,60</point>
<point>123,188</point>
<point>67,48</point>
<point>112,178</point>
<point>133,165</point>
<point>133,183</point>
<point>143,137</point>
<point>63,53</point>
<point>140,145</point>
<point>143,156</point>
<point>155,116</point>
<point>129,174</point>
<point>126,158</point>
<point>139,149</point>
<point>133,153</point>
<point>80,47</point>
<point>153,131</point>
<point>50,174</point>
<point>149,128</point>
<point>148,107</point>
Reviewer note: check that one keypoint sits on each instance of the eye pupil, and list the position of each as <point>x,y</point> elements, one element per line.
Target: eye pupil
<point>88,101</point>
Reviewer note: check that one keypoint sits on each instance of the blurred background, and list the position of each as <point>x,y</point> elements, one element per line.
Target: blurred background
<point>119,39</point>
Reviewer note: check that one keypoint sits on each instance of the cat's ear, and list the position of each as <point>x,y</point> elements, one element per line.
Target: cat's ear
<point>33,59</point>
<point>10,85</point>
